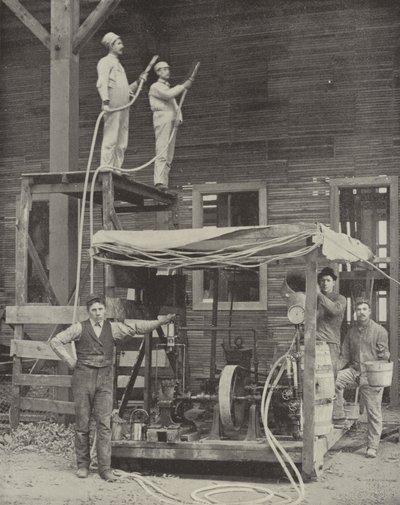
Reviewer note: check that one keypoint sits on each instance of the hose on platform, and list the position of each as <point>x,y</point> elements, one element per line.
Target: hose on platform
<point>206,495</point>
<point>117,170</point>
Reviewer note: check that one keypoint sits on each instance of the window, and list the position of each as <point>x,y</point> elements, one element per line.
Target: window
<point>219,205</point>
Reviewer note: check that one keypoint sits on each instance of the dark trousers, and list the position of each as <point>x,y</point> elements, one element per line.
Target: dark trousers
<point>92,389</point>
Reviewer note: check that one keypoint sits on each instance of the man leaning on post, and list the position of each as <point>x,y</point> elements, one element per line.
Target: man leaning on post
<point>92,380</point>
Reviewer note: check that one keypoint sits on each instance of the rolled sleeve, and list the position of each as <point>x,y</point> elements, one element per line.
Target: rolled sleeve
<point>134,327</point>
<point>67,336</point>
<point>165,93</point>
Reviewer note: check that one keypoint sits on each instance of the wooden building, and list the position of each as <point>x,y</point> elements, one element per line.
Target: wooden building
<point>294,116</point>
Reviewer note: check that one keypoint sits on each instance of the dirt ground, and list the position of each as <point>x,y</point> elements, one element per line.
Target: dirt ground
<point>35,477</point>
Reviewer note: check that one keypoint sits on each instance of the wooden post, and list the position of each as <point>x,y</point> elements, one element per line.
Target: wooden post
<point>214,322</point>
<point>21,289</point>
<point>108,208</point>
<point>394,288</point>
<point>64,143</point>
<point>309,446</point>
<point>148,350</point>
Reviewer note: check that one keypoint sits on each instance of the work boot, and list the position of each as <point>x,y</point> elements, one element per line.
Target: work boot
<point>371,453</point>
<point>82,473</point>
<point>108,476</point>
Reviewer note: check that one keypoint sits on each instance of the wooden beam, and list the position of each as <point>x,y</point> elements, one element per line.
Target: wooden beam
<point>114,219</point>
<point>58,407</point>
<point>108,208</point>
<point>64,144</point>
<point>24,379</point>
<point>32,349</point>
<point>92,23</point>
<point>21,288</point>
<point>43,314</point>
<point>74,188</point>
<point>394,288</point>
<point>42,273</point>
<point>21,253</point>
<point>29,21</point>
<point>309,455</point>
<point>148,352</point>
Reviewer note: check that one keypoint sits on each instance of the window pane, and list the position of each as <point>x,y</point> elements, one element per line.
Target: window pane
<point>243,284</point>
<point>232,209</point>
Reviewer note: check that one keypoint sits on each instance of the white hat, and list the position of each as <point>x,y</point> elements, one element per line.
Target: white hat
<point>109,39</point>
<point>160,64</point>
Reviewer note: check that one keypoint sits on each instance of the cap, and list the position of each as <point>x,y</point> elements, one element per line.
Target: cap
<point>160,64</point>
<point>362,300</point>
<point>93,298</point>
<point>109,39</point>
<point>327,271</point>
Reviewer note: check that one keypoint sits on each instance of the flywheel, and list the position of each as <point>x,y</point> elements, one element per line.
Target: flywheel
<point>231,384</point>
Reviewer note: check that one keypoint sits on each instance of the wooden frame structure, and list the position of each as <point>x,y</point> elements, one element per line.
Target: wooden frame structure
<point>310,451</point>
<point>393,185</point>
<point>114,193</point>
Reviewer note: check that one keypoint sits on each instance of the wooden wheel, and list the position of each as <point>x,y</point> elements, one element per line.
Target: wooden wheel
<point>231,384</point>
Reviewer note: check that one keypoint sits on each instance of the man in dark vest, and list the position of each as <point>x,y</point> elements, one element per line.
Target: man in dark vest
<point>92,381</point>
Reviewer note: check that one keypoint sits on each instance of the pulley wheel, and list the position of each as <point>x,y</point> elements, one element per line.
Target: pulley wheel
<point>231,384</point>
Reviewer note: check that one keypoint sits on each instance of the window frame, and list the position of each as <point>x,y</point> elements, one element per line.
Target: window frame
<point>198,191</point>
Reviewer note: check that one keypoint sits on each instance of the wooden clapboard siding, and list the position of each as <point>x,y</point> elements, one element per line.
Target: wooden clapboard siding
<point>291,92</point>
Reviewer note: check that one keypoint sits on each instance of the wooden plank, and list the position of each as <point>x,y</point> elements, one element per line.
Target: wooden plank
<point>76,188</point>
<point>43,380</point>
<point>308,456</point>
<point>32,349</point>
<point>21,288</point>
<point>92,23</point>
<point>58,407</point>
<point>21,253</point>
<point>204,450</point>
<point>43,314</point>
<point>29,21</point>
<point>360,182</point>
<point>42,273</point>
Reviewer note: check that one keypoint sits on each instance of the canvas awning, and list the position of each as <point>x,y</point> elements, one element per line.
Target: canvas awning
<point>218,247</point>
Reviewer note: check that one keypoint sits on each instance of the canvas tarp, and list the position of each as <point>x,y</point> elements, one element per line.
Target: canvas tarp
<point>240,246</point>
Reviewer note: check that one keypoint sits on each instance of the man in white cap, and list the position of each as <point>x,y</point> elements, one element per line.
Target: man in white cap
<point>165,117</point>
<point>114,90</point>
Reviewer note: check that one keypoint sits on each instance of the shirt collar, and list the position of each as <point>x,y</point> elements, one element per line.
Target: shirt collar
<point>163,81</point>
<point>112,55</point>
<point>94,324</point>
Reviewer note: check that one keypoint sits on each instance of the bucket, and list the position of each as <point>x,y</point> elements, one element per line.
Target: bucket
<point>324,389</point>
<point>118,427</point>
<point>379,373</point>
<point>138,419</point>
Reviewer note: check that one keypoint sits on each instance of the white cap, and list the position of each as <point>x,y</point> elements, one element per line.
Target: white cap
<point>109,39</point>
<point>159,65</point>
